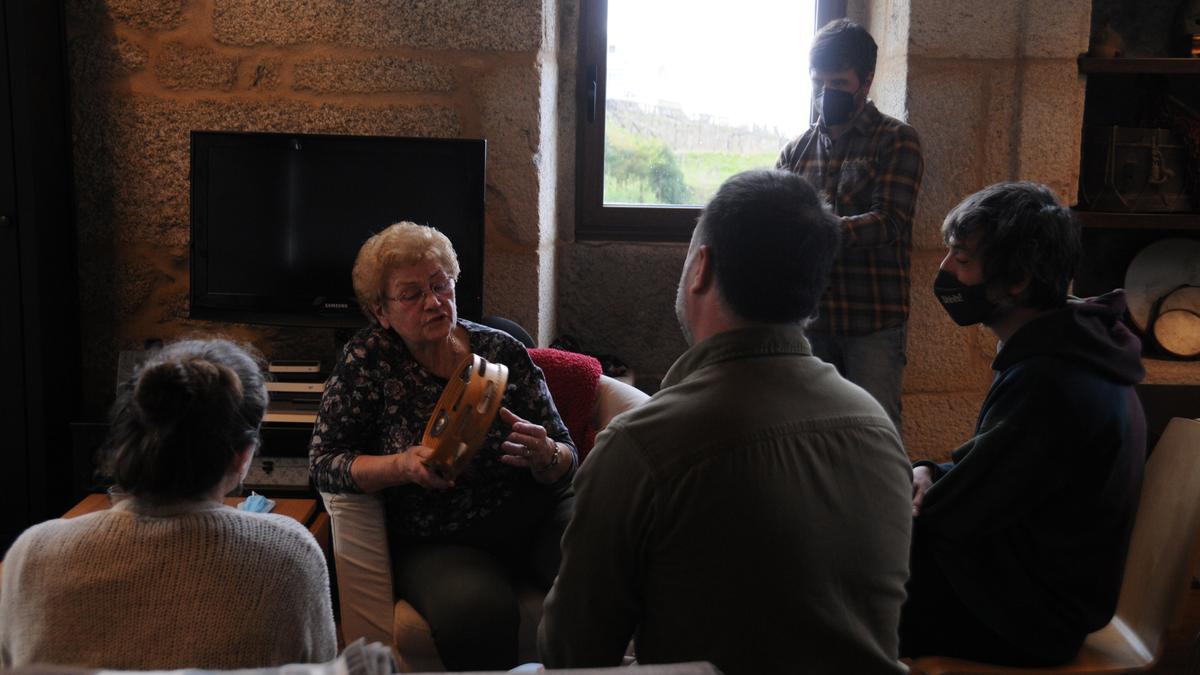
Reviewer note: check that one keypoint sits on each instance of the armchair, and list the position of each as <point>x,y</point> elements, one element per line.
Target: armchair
<point>1157,569</point>
<point>366,595</point>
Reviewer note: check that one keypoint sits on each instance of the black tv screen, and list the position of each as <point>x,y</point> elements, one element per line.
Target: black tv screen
<point>277,219</point>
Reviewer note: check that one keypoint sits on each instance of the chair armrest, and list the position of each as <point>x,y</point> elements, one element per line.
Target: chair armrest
<point>363,566</point>
<point>615,397</point>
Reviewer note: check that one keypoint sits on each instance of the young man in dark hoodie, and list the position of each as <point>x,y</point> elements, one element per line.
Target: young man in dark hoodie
<point>1019,543</point>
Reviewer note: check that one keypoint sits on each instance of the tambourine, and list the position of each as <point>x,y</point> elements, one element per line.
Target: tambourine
<point>1155,271</point>
<point>1175,322</point>
<point>463,415</point>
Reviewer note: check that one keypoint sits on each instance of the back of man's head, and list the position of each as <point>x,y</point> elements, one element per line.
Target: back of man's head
<point>843,44</point>
<point>1018,232</point>
<point>772,242</point>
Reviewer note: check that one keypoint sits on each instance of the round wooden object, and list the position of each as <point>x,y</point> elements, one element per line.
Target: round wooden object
<point>464,413</point>
<point>1178,332</point>
<point>1184,297</point>
<point>1155,271</point>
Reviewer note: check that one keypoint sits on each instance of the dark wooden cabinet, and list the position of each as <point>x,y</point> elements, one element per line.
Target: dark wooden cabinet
<point>1127,92</point>
<point>1092,65</point>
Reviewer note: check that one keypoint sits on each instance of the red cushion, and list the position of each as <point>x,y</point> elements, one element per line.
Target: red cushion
<point>574,382</point>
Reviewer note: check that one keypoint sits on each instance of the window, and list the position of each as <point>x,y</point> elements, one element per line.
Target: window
<point>678,95</point>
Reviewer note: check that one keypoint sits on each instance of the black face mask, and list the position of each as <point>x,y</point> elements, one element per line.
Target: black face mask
<point>836,106</point>
<point>966,305</point>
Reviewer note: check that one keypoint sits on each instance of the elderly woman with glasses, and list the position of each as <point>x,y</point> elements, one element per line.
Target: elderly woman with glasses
<point>458,547</point>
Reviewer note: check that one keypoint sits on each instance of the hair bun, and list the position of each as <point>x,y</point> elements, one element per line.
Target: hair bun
<point>166,392</point>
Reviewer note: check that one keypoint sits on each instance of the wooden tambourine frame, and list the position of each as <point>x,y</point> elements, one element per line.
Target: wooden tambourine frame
<point>463,415</point>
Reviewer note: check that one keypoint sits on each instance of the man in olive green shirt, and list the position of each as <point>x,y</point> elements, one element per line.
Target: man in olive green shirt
<point>756,511</point>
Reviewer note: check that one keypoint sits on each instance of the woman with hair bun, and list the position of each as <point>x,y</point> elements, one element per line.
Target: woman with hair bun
<point>170,577</point>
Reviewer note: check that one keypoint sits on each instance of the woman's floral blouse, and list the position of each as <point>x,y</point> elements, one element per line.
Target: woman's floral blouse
<point>378,400</point>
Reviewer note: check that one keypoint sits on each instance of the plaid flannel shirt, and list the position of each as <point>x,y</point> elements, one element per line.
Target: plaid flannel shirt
<point>870,176</point>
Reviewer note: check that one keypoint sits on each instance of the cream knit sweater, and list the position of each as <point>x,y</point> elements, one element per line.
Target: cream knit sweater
<point>196,585</point>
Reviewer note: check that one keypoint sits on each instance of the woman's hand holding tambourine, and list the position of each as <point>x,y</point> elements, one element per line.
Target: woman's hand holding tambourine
<point>411,465</point>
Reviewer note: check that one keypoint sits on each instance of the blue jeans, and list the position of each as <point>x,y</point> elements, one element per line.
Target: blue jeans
<point>874,362</point>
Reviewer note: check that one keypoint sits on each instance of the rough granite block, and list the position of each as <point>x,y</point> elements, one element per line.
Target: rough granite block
<point>492,25</point>
<point>142,15</point>
<point>96,57</point>
<point>132,154</point>
<point>510,284</point>
<point>1058,29</point>
<point>508,102</point>
<point>137,279</point>
<point>266,74</point>
<point>964,29</point>
<point>952,145</point>
<point>936,424</point>
<point>181,67</point>
<point>365,76</point>
<point>1051,111</point>
<point>619,299</point>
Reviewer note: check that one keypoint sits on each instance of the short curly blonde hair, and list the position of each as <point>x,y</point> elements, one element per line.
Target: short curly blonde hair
<point>398,245</point>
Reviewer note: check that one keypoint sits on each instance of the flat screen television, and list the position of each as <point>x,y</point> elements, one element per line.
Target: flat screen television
<point>277,219</point>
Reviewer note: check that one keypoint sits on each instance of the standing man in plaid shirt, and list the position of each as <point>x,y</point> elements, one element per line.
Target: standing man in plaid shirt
<point>868,167</point>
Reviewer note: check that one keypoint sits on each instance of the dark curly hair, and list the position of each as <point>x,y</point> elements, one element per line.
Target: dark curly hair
<point>1019,231</point>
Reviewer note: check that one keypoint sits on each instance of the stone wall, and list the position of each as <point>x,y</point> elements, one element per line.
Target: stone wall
<point>144,73</point>
<point>993,90</point>
<point>991,87</point>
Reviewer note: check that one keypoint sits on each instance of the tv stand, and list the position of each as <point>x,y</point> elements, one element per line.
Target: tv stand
<point>284,447</point>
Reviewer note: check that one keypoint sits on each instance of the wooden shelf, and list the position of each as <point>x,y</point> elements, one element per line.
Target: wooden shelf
<point>1161,371</point>
<point>1137,221</point>
<point>1089,65</point>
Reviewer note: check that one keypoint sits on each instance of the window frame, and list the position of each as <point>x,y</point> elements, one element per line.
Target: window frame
<point>638,223</point>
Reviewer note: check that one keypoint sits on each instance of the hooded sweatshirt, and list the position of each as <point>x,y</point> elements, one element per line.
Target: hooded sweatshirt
<point>1030,522</point>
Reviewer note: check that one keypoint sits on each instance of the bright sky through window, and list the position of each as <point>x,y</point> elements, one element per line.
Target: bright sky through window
<point>744,61</point>
<point>698,90</point>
